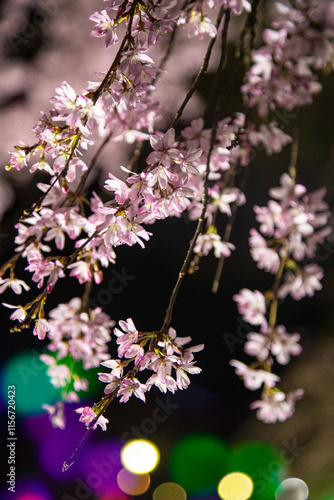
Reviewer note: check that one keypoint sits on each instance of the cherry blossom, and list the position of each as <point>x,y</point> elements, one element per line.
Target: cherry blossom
<point>252,306</point>
<point>15,284</point>
<point>284,345</point>
<point>56,414</point>
<point>253,379</point>
<point>302,283</point>
<point>277,406</point>
<point>20,313</point>
<point>129,387</point>
<point>125,340</point>
<point>163,152</point>
<point>87,416</point>
<point>41,328</point>
<point>104,27</point>
<point>287,226</point>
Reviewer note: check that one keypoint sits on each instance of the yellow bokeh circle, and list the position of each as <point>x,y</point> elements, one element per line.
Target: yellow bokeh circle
<point>140,456</point>
<point>235,486</point>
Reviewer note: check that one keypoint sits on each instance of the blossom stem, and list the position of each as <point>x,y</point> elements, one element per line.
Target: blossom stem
<point>87,292</point>
<point>117,59</point>
<point>201,72</point>
<point>200,222</point>
<point>91,165</point>
<point>215,93</point>
<point>12,261</point>
<point>294,151</point>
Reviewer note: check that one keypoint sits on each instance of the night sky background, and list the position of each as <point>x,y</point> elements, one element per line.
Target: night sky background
<point>207,430</point>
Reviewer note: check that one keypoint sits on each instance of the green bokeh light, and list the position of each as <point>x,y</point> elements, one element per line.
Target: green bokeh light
<point>263,463</point>
<point>27,373</point>
<point>198,463</point>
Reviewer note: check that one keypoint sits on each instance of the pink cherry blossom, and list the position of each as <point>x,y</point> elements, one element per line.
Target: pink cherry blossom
<point>277,406</point>
<point>87,416</point>
<point>288,191</point>
<point>15,284</point>
<point>253,379</point>
<point>200,26</point>
<point>41,328</point>
<point>81,270</point>
<point>266,258</point>
<point>169,384</point>
<point>58,373</point>
<point>252,306</point>
<point>128,387</point>
<point>125,340</point>
<point>163,151</point>
<point>104,27</point>
<point>284,344</point>
<point>258,345</point>
<point>18,315</point>
<point>56,414</point>
<point>71,232</point>
<point>304,282</point>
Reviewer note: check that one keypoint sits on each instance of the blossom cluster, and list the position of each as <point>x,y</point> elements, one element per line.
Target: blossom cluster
<point>292,225</point>
<point>165,357</point>
<point>300,43</point>
<point>80,337</point>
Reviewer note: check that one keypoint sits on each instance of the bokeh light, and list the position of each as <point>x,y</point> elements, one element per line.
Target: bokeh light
<point>101,464</point>
<point>198,462</point>
<point>235,486</point>
<point>133,484</point>
<point>169,491</point>
<point>254,456</point>
<point>27,372</point>
<point>292,489</point>
<point>28,489</point>
<point>140,456</point>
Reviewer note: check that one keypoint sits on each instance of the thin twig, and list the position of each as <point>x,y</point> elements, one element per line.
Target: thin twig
<point>250,26</point>
<point>199,229</point>
<point>200,222</point>
<point>91,165</point>
<point>217,84</point>
<point>201,72</point>
<point>294,149</point>
<point>117,59</point>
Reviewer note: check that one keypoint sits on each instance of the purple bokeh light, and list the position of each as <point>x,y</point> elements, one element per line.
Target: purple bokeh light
<point>100,465</point>
<point>28,489</point>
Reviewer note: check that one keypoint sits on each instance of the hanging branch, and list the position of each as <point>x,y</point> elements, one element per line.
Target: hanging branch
<point>205,198</point>
<point>201,72</point>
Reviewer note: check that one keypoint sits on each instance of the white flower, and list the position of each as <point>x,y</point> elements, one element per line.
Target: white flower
<point>13,283</point>
<point>253,379</point>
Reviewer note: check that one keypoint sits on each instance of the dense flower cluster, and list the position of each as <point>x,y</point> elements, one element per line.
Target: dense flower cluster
<point>190,167</point>
<point>164,357</point>
<point>300,43</point>
<point>291,225</point>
